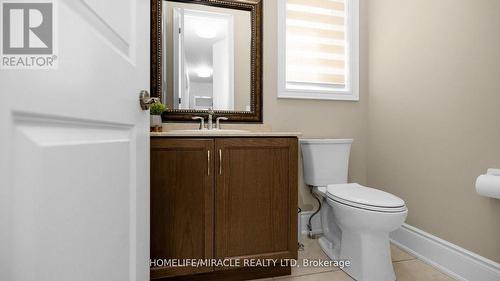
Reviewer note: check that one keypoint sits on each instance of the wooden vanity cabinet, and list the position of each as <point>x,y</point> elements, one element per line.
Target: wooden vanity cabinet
<point>223,198</point>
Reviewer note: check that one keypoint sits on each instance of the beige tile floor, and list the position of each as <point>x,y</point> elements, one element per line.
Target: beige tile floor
<point>407,267</point>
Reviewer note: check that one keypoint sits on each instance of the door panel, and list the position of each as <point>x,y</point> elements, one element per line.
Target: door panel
<point>256,191</point>
<point>74,164</point>
<point>182,190</point>
<point>64,173</point>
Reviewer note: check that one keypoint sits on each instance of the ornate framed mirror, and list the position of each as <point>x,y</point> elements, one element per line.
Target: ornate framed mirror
<point>207,55</point>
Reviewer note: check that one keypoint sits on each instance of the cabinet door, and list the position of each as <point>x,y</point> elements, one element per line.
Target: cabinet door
<point>182,190</point>
<point>256,198</point>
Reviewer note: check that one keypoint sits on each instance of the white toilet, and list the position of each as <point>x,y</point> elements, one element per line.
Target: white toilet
<point>356,220</point>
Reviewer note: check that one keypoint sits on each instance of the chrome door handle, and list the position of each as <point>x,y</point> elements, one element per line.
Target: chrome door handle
<point>220,161</point>
<point>146,100</point>
<point>208,162</point>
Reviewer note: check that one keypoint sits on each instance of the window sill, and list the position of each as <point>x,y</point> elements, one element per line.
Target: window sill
<point>344,96</point>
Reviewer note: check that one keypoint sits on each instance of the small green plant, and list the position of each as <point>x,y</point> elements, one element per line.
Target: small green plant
<point>157,108</point>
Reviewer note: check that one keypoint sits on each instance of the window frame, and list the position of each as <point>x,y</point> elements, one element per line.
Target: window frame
<point>317,91</point>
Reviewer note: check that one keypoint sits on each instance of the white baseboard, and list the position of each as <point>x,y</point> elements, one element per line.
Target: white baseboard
<point>451,259</point>
<point>316,222</point>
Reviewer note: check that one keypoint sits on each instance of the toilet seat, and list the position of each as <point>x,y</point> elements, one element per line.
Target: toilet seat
<point>358,196</point>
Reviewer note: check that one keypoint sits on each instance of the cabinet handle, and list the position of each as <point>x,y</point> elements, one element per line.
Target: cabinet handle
<point>220,161</point>
<point>208,162</point>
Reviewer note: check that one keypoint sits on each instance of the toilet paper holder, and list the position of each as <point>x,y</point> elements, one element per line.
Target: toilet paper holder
<point>488,185</point>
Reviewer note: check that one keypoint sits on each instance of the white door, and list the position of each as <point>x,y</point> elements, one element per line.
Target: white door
<point>74,150</point>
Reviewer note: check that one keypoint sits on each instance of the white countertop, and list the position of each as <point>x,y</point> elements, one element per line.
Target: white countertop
<point>223,133</point>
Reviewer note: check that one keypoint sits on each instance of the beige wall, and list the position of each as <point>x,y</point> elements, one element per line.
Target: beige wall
<point>433,114</point>
<point>328,119</point>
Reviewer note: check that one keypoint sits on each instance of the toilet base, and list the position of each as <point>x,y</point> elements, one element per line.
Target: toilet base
<point>370,256</point>
<point>371,262</point>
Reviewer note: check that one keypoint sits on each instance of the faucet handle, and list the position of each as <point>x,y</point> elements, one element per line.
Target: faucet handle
<point>202,123</point>
<point>217,122</point>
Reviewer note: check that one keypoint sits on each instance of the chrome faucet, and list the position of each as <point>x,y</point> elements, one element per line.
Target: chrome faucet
<point>210,124</point>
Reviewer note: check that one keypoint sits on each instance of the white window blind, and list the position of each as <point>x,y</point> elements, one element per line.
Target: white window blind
<point>315,50</point>
<point>318,41</point>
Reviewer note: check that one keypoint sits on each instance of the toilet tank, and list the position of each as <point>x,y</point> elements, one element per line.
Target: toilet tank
<point>325,161</point>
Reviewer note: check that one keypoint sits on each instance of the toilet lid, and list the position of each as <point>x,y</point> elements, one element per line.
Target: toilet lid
<point>356,195</point>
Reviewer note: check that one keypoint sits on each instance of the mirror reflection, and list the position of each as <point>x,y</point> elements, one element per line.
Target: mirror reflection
<point>207,57</point>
